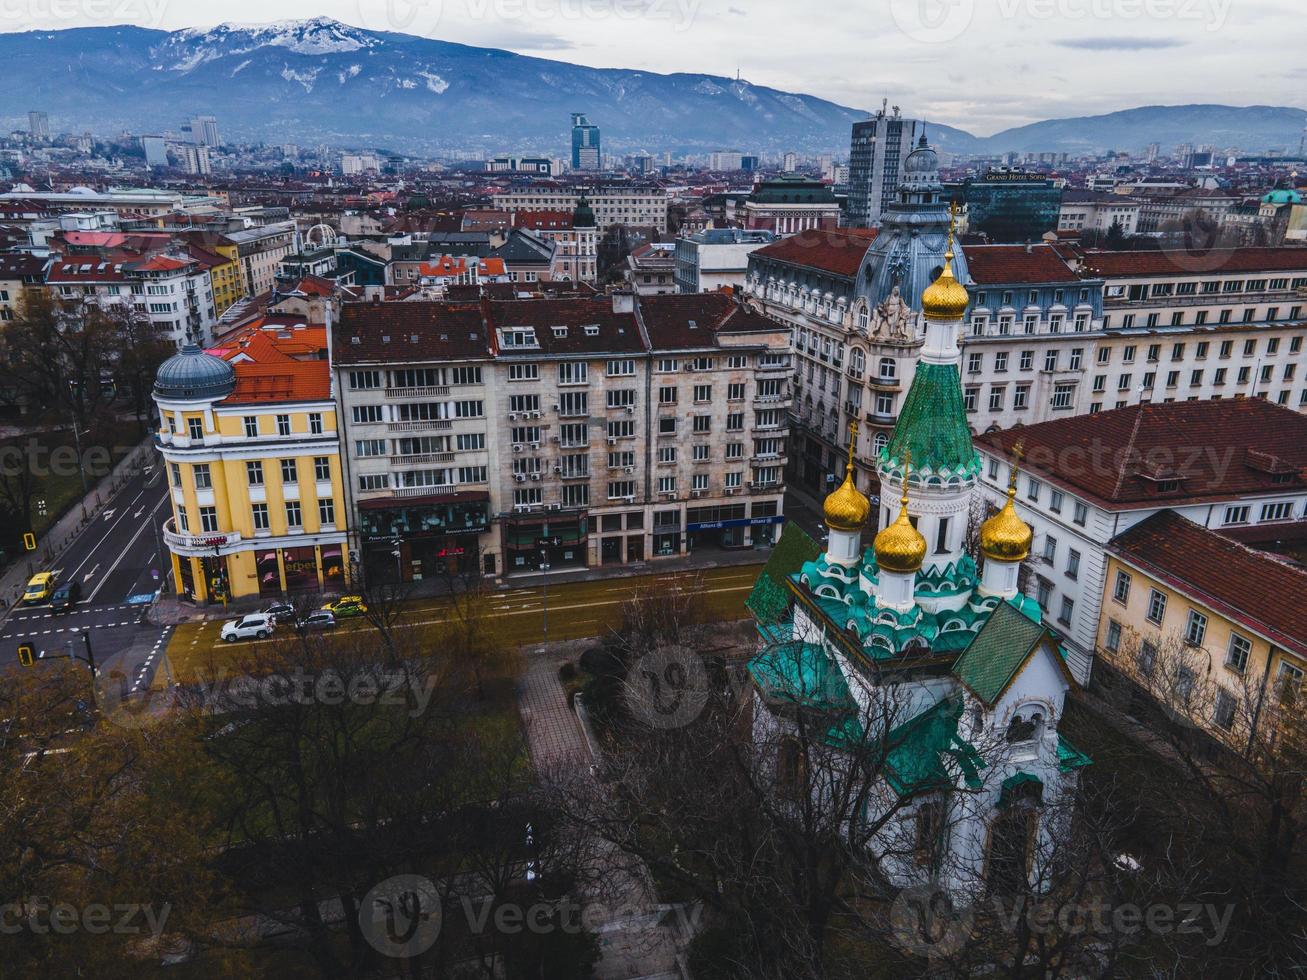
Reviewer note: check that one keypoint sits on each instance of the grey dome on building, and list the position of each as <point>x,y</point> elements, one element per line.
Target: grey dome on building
<point>192,375</point>
<point>908,253</point>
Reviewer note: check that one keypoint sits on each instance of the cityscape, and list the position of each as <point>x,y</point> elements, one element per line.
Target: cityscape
<point>472,508</point>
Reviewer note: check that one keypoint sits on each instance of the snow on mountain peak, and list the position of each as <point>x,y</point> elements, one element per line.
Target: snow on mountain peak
<point>315,36</point>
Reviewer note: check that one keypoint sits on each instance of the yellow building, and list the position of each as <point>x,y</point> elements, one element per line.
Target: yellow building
<point>253,463</point>
<point>1193,616</point>
<point>224,268</point>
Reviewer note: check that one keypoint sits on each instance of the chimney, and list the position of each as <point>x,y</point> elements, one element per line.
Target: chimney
<point>623,301</point>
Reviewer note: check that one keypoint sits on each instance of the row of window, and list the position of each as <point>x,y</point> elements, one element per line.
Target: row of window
<point>294,517</point>
<point>203,475</point>
<point>1203,317</point>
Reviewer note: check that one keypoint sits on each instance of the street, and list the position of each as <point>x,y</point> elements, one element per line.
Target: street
<point>114,559</point>
<point>516,616</point>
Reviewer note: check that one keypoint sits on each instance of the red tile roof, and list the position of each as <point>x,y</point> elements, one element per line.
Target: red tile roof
<point>1217,262</point>
<point>997,265</point>
<point>1250,587</point>
<point>550,220</point>
<point>370,333</point>
<point>289,381</point>
<point>93,270</point>
<point>836,251</point>
<point>1218,450</point>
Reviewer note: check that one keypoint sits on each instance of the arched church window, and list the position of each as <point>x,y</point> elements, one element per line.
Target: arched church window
<point>1027,725</point>
<point>857,362</point>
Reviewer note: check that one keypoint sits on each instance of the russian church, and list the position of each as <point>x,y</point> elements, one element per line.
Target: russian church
<point>977,680</point>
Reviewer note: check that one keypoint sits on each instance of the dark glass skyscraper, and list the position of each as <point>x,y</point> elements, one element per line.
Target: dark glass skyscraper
<point>876,153</point>
<point>586,152</point>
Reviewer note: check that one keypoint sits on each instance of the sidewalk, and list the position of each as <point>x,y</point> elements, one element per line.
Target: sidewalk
<point>55,541</point>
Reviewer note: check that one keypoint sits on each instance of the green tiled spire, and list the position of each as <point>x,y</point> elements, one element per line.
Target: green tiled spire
<point>933,425</point>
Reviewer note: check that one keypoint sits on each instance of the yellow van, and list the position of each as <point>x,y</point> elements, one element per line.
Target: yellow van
<point>39,588</point>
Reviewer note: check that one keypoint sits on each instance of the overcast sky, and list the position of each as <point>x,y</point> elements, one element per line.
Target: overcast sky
<point>982,65</point>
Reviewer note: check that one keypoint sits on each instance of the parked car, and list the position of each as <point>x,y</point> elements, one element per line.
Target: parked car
<point>346,605</point>
<point>316,621</point>
<point>281,612</point>
<point>256,626</point>
<point>65,596</point>
<point>39,588</point>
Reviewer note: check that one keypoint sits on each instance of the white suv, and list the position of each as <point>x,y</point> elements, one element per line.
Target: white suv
<point>255,625</point>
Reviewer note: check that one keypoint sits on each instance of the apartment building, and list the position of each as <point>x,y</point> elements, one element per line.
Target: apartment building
<point>578,432</point>
<point>1097,211</point>
<point>173,291</point>
<point>613,204</point>
<point>1189,612</point>
<point>254,475</point>
<point>574,233</point>
<point>650,269</point>
<point>716,257</point>
<point>260,250</point>
<point>1233,466</point>
<point>19,272</point>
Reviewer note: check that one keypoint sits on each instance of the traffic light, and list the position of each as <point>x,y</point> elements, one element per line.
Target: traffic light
<point>26,654</point>
<point>29,541</point>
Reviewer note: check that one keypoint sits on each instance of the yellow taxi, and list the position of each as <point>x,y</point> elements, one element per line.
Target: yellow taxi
<point>39,587</point>
<point>345,606</point>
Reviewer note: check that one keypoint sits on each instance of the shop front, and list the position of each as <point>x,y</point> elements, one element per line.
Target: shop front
<point>423,538</point>
<point>566,536</point>
<point>733,531</point>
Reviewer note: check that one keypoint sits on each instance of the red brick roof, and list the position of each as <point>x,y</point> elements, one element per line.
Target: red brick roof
<point>998,265</point>
<point>667,319</point>
<point>552,220</point>
<point>1216,263</point>
<point>1250,587</point>
<point>1218,450</point>
<point>618,332</point>
<point>836,251</point>
<point>287,381</point>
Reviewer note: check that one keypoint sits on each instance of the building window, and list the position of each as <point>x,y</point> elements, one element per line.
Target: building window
<point>1236,656</point>
<point>1033,487</point>
<point>1044,594</point>
<point>1223,710</point>
<point>322,468</point>
<point>1055,501</point>
<point>1062,395</point>
<point>203,479</point>
<point>294,517</point>
<point>1121,590</point>
<point>251,426</point>
<point>1064,614</point>
<point>1113,641</point>
<point>1147,658</point>
<point>195,427</point>
<point>1073,564</point>
<point>1281,511</point>
<point>1236,515</point>
<point>941,537</point>
<point>969,398</point>
<point>1081,514</point>
<point>260,517</point>
<point>1156,606</point>
<point>283,425</point>
<point>254,472</point>
<point>289,471</point>
<point>326,512</point>
<point>208,519</point>
<point>1195,628</point>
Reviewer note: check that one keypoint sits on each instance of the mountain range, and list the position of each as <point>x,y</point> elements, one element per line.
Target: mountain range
<point>322,81</point>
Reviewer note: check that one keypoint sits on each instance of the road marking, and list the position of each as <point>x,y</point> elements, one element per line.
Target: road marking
<point>91,574</point>
<point>117,561</point>
<point>108,514</point>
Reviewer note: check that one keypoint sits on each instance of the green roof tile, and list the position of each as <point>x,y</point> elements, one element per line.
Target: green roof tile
<point>770,599</point>
<point>933,424</point>
<point>803,673</point>
<point>1069,757</point>
<point>918,750</point>
<point>988,665</point>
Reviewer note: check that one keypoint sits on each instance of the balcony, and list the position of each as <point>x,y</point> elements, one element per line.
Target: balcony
<point>429,391</point>
<point>416,458</point>
<point>883,383</point>
<point>421,425</point>
<point>205,543</point>
<point>432,491</point>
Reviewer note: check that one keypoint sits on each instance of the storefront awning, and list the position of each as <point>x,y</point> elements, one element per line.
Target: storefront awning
<point>398,503</point>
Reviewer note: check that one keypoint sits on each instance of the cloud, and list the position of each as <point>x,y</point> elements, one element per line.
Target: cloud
<point>1120,43</point>
<point>511,37</point>
<point>737,11</point>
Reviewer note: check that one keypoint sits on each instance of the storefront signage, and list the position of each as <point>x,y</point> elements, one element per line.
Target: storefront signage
<point>740,522</point>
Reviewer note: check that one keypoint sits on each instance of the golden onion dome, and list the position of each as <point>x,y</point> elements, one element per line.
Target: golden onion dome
<point>847,508</point>
<point>945,298</point>
<point>1005,536</point>
<point>900,546</point>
